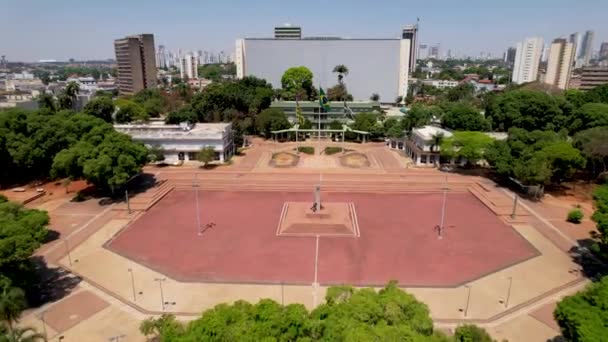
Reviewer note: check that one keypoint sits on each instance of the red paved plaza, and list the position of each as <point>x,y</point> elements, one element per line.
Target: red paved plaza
<point>398,240</point>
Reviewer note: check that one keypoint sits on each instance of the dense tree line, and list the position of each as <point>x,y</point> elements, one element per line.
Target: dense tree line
<point>348,315</point>
<point>40,144</point>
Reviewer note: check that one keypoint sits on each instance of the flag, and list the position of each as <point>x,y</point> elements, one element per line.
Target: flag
<point>299,116</point>
<point>323,101</point>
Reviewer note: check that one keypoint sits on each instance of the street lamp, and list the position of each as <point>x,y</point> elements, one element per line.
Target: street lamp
<point>162,296</point>
<point>466,308</point>
<point>67,247</point>
<point>509,292</point>
<point>198,213</point>
<point>132,283</point>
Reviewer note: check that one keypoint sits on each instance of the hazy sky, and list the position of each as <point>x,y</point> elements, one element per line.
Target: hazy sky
<point>85,29</point>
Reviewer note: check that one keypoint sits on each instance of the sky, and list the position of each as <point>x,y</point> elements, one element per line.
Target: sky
<point>31,30</point>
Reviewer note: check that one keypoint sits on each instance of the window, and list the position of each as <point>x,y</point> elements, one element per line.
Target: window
<point>192,156</point>
<point>181,156</point>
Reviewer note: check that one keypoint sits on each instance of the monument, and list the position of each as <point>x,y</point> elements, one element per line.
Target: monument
<point>322,218</point>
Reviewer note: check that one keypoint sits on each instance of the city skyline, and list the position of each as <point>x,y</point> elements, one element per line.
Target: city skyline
<point>67,29</point>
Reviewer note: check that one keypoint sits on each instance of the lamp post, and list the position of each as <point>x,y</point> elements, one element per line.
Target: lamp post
<point>132,283</point>
<point>162,296</point>
<point>445,191</point>
<point>198,213</point>
<point>509,292</point>
<point>466,308</point>
<point>67,248</point>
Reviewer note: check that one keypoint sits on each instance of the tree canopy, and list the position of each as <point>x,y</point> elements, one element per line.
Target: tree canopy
<point>271,119</point>
<point>297,83</point>
<point>462,116</point>
<point>468,145</point>
<point>348,315</point>
<point>527,109</point>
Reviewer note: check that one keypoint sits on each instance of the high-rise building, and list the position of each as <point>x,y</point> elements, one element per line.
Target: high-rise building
<point>575,39</point>
<point>410,32</point>
<point>604,51</point>
<point>434,52</point>
<point>559,64</point>
<point>288,31</point>
<point>188,66</point>
<point>423,51</point>
<point>510,56</point>
<point>136,63</point>
<point>592,77</point>
<point>161,57</point>
<point>387,76</point>
<point>586,49</point>
<point>527,58</point>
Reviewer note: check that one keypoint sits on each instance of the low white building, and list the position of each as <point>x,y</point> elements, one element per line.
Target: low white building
<point>441,84</point>
<point>183,142</point>
<point>421,145</point>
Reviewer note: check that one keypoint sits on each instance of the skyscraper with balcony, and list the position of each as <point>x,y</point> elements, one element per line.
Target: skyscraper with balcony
<point>527,59</point>
<point>136,63</point>
<point>559,64</point>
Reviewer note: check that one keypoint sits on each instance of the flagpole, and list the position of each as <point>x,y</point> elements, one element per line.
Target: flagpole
<point>319,123</point>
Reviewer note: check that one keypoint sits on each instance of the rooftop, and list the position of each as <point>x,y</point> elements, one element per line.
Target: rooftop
<point>159,130</point>
<point>427,132</point>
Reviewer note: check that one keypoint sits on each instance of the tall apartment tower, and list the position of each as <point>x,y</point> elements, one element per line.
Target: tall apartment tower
<point>161,57</point>
<point>604,51</point>
<point>288,31</point>
<point>410,32</point>
<point>527,58</point>
<point>136,62</point>
<point>584,55</point>
<point>559,65</point>
<point>510,56</point>
<point>188,66</point>
<point>575,39</point>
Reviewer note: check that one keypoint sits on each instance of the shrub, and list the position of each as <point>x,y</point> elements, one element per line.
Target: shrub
<point>471,333</point>
<point>306,149</point>
<point>329,150</point>
<point>575,216</point>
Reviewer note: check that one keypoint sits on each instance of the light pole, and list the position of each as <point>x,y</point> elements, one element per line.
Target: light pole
<point>509,292</point>
<point>162,296</point>
<point>466,308</point>
<point>198,213</point>
<point>445,191</point>
<point>128,203</point>
<point>67,247</point>
<point>132,283</point>
<point>515,198</point>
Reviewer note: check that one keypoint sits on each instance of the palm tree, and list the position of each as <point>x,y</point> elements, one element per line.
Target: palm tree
<point>342,71</point>
<point>21,335</point>
<point>437,140</point>
<point>12,303</point>
<point>67,99</point>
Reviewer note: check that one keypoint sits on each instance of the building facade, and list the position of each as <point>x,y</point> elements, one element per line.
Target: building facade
<point>421,146</point>
<point>559,64</point>
<point>378,66</point>
<point>527,59</point>
<point>288,31</point>
<point>188,66</point>
<point>592,77</point>
<point>136,62</point>
<point>586,49</point>
<point>183,142</point>
<point>337,111</point>
<point>410,32</point>
<point>604,50</point>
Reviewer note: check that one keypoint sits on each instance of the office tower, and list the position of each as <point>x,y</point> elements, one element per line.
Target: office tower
<point>136,63</point>
<point>288,31</point>
<point>604,51</point>
<point>559,64</point>
<point>188,66</point>
<point>161,57</point>
<point>575,39</point>
<point>586,48</point>
<point>434,52</point>
<point>410,32</point>
<point>510,56</point>
<point>527,58</point>
<point>423,51</point>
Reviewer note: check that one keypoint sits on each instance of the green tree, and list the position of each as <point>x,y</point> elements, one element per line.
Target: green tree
<point>468,145</point>
<point>101,107</point>
<point>20,335</point>
<point>206,155</point>
<point>420,115</point>
<point>129,111</point>
<point>461,92</point>
<point>375,97</point>
<point>563,159</point>
<point>471,333</point>
<point>156,154</point>
<point>593,143</point>
<point>589,115</point>
<point>271,119</point>
<point>47,101</point>
<point>464,117</point>
<point>582,317</point>
<point>12,303</point>
<point>339,93</point>
<point>342,72</point>
<point>527,109</point>
<point>67,98</point>
<point>297,83</point>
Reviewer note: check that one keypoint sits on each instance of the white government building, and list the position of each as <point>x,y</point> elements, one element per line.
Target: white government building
<point>183,142</point>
